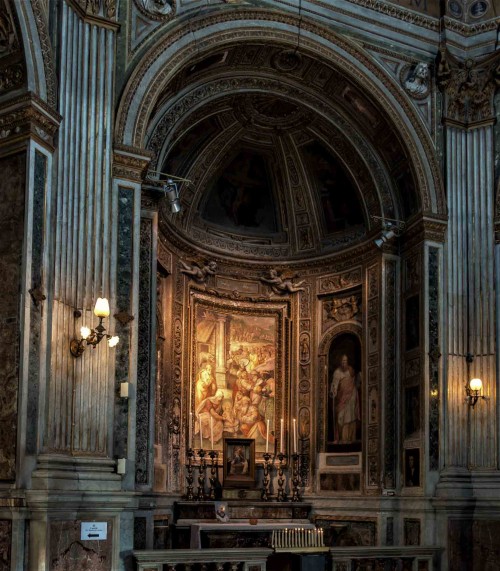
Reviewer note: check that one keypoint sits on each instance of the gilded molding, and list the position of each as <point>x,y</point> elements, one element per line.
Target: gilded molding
<point>28,116</point>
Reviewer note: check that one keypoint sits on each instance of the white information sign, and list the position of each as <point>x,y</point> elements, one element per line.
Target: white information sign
<point>94,530</point>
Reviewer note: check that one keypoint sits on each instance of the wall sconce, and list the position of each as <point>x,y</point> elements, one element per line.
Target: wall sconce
<point>473,391</point>
<point>94,336</point>
<point>390,229</point>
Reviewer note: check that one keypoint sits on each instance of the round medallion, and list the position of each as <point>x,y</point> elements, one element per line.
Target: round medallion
<point>478,9</point>
<point>287,60</point>
<point>455,8</point>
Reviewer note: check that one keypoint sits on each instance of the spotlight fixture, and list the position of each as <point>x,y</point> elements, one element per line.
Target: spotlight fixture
<point>94,336</point>
<point>391,228</point>
<point>172,195</point>
<point>170,188</point>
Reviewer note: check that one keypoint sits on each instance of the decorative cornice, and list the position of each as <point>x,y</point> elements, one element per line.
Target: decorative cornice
<point>26,117</point>
<point>130,163</point>
<point>429,227</point>
<point>468,30</point>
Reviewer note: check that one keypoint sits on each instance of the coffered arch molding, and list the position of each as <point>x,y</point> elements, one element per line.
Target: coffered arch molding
<point>354,152</point>
<point>151,75</point>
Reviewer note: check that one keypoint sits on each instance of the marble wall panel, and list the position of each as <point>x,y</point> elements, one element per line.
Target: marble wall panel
<point>5,544</point>
<point>349,532</point>
<point>67,552</point>
<point>12,183</point>
<point>482,535</point>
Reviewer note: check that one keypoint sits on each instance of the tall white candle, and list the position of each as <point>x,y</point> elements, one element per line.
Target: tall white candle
<point>212,432</point>
<point>295,436</point>
<point>282,429</point>
<point>267,437</point>
<point>190,430</point>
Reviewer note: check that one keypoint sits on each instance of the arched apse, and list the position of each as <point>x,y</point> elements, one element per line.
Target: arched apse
<point>150,81</point>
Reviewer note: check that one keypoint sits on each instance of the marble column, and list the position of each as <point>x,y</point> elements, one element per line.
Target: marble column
<point>471,434</point>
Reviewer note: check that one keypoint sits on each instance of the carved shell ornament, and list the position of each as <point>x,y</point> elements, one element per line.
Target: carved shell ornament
<point>156,9</point>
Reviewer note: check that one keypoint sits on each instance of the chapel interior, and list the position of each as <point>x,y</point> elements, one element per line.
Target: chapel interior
<point>251,316</point>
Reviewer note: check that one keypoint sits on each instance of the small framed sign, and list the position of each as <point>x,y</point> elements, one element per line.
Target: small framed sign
<point>94,530</point>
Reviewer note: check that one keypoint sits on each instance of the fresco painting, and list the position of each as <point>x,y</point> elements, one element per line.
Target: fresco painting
<point>234,387</point>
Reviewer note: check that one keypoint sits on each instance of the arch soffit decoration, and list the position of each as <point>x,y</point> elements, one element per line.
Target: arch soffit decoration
<point>156,68</point>
<point>40,65</point>
<point>358,157</point>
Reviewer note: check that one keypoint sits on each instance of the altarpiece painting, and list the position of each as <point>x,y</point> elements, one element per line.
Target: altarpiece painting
<point>236,374</point>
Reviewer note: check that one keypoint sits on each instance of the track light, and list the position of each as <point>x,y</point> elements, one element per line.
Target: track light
<point>170,188</point>
<point>172,195</point>
<point>390,229</point>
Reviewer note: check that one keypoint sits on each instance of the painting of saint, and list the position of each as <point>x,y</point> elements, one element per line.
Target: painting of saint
<point>233,388</point>
<point>344,426</point>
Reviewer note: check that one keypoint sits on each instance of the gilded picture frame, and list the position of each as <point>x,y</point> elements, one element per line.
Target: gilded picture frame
<point>239,463</point>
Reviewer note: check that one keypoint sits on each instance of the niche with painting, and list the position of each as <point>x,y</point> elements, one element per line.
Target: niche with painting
<point>344,394</point>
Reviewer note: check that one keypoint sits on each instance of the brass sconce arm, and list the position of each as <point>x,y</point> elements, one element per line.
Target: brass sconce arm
<point>94,336</point>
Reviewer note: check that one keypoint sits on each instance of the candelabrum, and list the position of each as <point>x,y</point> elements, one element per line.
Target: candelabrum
<point>213,473</point>
<point>281,480</point>
<point>189,475</point>
<point>295,478</point>
<point>202,469</point>
<point>267,479</point>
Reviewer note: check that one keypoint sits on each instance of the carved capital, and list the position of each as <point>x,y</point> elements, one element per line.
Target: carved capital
<point>27,117</point>
<point>468,87</point>
<point>130,163</point>
<point>100,12</point>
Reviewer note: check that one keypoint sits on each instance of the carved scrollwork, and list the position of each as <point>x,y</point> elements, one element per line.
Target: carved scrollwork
<point>343,309</point>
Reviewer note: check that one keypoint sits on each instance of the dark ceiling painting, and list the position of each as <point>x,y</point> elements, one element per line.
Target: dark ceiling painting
<point>339,201</point>
<point>241,199</point>
<point>188,147</point>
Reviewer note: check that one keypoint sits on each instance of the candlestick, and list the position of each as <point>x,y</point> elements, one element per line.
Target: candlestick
<point>201,435</point>
<point>267,437</point>
<point>264,495</point>
<point>281,436</point>
<point>294,436</point>
<point>212,432</point>
<point>281,480</point>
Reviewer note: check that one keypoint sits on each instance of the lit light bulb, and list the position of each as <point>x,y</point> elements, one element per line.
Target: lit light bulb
<point>112,341</point>
<point>101,308</point>
<point>476,385</point>
<point>85,332</point>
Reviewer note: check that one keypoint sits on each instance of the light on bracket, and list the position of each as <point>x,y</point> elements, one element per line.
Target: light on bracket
<point>390,229</point>
<point>171,190</point>
<point>94,336</point>
<point>473,387</point>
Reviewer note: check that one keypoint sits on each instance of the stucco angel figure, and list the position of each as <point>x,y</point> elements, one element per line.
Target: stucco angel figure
<point>199,272</point>
<point>279,285</point>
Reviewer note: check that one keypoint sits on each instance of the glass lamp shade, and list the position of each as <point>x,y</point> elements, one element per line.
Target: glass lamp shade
<point>84,332</point>
<point>101,308</point>
<point>112,341</point>
<point>476,385</point>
